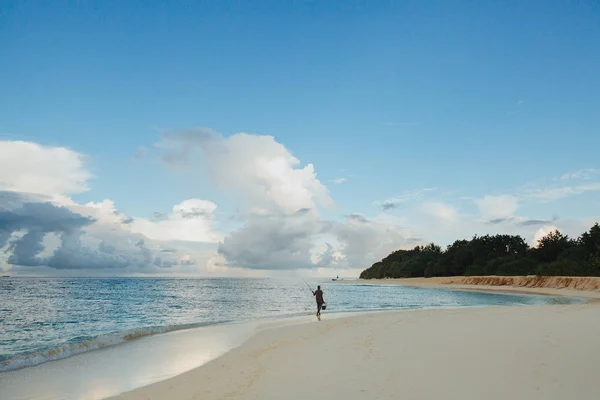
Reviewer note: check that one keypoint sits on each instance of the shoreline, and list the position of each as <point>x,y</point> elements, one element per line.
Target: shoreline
<point>555,286</point>
<point>513,352</point>
<point>257,367</point>
<point>108,371</point>
<point>170,364</point>
<point>108,340</point>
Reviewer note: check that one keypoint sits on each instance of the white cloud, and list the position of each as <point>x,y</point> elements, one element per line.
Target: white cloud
<point>283,229</point>
<point>363,241</point>
<point>43,227</point>
<point>78,241</point>
<point>443,212</point>
<point>497,207</point>
<point>96,236</point>
<point>540,233</point>
<point>305,241</point>
<point>585,174</point>
<point>31,168</point>
<point>566,185</point>
<point>258,167</point>
<point>104,212</point>
<point>556,193</point>
<point>339,180</point>
<point>191,220</point>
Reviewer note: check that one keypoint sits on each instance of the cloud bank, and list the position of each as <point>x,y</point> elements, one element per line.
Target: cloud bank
<point>41,226</point>
<point>280,206</point>
<point>281,209</point>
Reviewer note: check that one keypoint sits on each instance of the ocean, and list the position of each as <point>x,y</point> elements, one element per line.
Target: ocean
<point>47,319</point>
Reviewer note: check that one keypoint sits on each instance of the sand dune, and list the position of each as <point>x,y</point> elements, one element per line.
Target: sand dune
<point>536,352</point>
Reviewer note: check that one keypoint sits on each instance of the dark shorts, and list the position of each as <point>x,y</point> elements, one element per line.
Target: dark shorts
<point>320,303</point>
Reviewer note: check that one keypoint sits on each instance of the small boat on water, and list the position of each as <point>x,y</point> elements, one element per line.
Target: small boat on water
<point>336,278</point>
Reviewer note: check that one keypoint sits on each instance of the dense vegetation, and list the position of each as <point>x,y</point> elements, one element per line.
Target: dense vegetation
<point>555,255</point>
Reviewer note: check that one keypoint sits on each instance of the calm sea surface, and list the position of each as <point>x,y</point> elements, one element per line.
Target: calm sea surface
<point>43,319</point>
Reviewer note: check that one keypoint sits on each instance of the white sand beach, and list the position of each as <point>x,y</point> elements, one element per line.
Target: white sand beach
<point>551,285</point>
<point>532,352</point>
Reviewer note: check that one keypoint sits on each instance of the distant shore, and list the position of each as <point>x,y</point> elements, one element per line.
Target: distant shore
<point>548,285</point>
<point>532,352</point>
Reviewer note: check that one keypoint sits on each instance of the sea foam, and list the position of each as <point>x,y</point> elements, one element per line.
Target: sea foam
<point>84,344</point>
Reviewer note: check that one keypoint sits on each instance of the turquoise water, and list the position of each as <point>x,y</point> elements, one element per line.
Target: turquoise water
<point>45,319</point>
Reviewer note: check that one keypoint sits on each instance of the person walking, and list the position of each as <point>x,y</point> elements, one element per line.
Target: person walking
<point>319,297</point>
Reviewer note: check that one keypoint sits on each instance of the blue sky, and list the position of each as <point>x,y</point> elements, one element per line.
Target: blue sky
<point>470,98</point>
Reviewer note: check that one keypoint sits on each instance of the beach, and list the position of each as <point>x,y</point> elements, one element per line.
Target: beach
<point>588,287</point>
<point>414,338</point>
<point>533,352</point>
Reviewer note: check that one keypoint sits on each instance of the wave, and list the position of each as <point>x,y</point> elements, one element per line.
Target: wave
<point>84,344</point>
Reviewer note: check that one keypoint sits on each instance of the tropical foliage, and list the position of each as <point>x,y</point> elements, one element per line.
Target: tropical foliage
<point>555,255</point>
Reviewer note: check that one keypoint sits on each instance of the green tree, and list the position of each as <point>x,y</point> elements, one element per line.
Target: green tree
<point>555,254</point>
<point>551,245</point>
<point>590,240</point>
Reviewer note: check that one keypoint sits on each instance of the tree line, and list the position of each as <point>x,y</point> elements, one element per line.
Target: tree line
<point>555,255</point>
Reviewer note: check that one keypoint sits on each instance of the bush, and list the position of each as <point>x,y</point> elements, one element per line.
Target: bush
<point>474,270</point>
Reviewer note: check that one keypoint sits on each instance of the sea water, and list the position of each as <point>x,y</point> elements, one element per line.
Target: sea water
<point>154,328</point>
<point>45,319</point>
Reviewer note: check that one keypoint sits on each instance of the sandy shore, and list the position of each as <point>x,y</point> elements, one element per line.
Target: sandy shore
<point>533,352</point>
<point>556,286</point>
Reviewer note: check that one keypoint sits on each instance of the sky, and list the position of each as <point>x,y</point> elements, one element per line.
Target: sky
<point>260,138</point>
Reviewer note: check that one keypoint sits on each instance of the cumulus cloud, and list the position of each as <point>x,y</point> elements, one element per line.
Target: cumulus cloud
<point>274,241</point>
<point>303,240</point>
<point>258,167</point>
<point>173,234</point>
<point>280,211</point>
<point>329,258</point>
<point>363,241</point>
<point>32,168</point>
<point>24,230</point>
<point>41,225</point>
<point>43,217</point>
<point>191,220</point>
<point>282,226</point>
